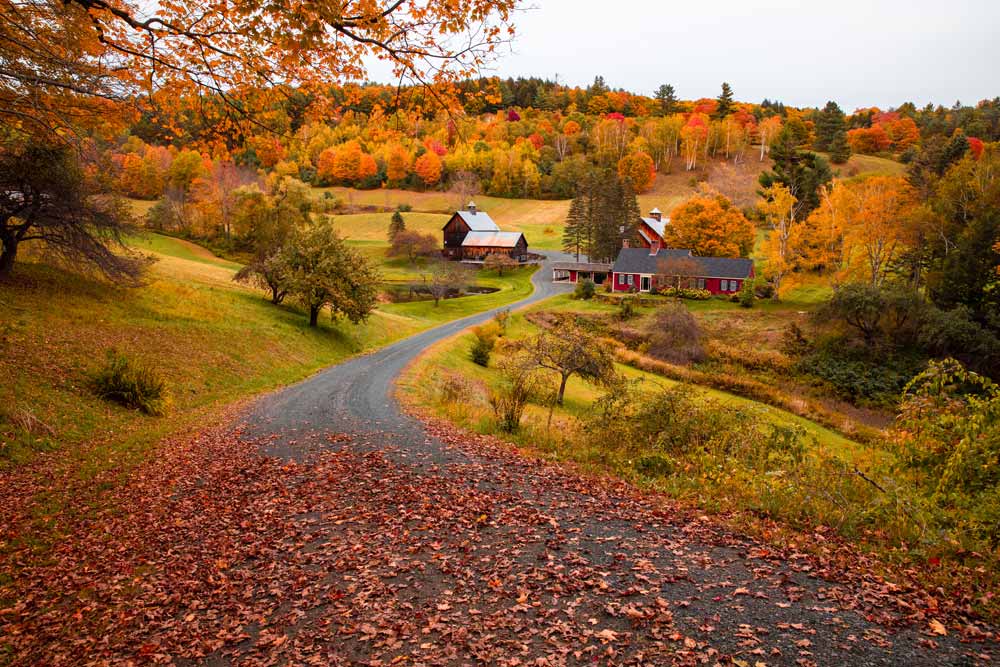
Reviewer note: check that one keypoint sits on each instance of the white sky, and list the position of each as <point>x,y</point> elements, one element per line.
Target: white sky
<point>859,53</point>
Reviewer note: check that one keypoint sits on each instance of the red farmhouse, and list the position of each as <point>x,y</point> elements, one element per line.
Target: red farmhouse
<point>647,269</point>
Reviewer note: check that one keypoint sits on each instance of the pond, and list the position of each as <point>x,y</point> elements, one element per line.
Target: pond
<point>406,292</point>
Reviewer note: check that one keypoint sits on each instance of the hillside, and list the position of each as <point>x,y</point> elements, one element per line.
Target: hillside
<point>541,220</point>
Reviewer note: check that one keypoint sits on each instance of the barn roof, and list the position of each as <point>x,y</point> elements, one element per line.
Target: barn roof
<point>491,239</point>
<point>640,260</point>
<point>478,221</point>
<point>658,226</point>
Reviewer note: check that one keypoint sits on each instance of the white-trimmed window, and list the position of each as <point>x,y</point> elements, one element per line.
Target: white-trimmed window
<point>701,283</point>
<point>630,280</point>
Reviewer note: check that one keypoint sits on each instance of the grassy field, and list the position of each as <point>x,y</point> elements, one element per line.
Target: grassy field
<point>420,385</point>
<point>213,340</point>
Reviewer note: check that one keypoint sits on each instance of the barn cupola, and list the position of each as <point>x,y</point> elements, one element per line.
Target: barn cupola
<point>472,207</point>
<point>656,215</point>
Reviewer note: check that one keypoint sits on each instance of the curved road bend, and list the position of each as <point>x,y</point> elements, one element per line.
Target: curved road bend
<point>357,396</point>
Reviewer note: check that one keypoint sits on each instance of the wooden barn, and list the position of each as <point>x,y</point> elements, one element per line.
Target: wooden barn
<point>471,235</point>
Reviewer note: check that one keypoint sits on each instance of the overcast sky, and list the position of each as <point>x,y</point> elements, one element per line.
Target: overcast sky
<point>857,52</point>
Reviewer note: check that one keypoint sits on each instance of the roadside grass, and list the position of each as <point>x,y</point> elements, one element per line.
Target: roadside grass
<point>421,382</point>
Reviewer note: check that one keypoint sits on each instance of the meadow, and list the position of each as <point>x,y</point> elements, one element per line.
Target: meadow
<point>213,340</point>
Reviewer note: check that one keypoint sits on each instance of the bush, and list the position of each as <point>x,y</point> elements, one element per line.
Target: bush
<point>486,338</point>
<point>675,336</point>
<point>585,290</point>
<point>626,308</point>
<point>510,398</point>
<point>132,385</point>
<point>747,294</point>
<point>686,293</point>
<point>502,320</point>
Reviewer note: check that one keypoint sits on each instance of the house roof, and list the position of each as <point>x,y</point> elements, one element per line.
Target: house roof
<point>640,260</point>
<point>491,239</point>
<point>478,221</point>
<point>658,226</point>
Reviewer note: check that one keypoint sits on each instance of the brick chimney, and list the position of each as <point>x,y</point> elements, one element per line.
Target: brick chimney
<point>656,215</point>
<point>472,207</point>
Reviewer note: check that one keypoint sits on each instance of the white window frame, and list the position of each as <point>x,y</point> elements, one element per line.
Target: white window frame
<point>701,283</point>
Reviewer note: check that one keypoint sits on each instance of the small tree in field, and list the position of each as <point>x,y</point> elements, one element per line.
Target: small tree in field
<point>321,270</point>
<point>413,245</point>
<point>571,352</point>
<point>499,262</point>
<point>519,384</point>
<point>396,225</point>
<point>46,196</point>
<point>446,277</point>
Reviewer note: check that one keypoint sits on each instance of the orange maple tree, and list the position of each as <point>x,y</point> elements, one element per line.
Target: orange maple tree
<point>710,226</point>
<point>638,168</point>
<point>428,167</point>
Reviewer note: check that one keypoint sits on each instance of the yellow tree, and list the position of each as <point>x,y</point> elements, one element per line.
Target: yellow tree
<point>397,163</point>
<point>861,227</point>
<point>781,245</point>
<point>710,226</point>
<point>638,168</point>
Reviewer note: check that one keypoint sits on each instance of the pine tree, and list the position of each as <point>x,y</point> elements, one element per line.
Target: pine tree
<point>667,97</point>
<point>574,233</point>
<point>615,216</point>
<point>840,150</point>
<point>829,123</point>
<point>396,225</point>
<point>802,172</point>
<point>725,102</point>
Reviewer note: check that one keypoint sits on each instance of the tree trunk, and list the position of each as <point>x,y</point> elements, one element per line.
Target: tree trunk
<point>562,389</point>
<point>314,315</point>
<point>7,256</point>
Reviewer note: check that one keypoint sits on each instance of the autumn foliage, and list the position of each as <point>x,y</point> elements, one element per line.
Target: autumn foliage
<point>710,226</point>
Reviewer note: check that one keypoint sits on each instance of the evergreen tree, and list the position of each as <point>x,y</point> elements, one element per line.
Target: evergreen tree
<point>574,233</point>
<point>615,217</point>
<point>667,98</point>
<point>829,123</point>
<point>802,172</point>
<point>725,102</point>
<point>840,150</point>
<point>396,225</point>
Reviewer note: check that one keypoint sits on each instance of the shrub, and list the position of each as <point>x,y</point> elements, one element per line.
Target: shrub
<point>509,399</point>
<point>686,293</point>
<point>585,290</point>
<point>626,308</point>
<point>455,388</point>
<point>675,336</point>
<point>747,294</point>
<point>132,385</point>
<point>486,338</point>
<point>502,320</point>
